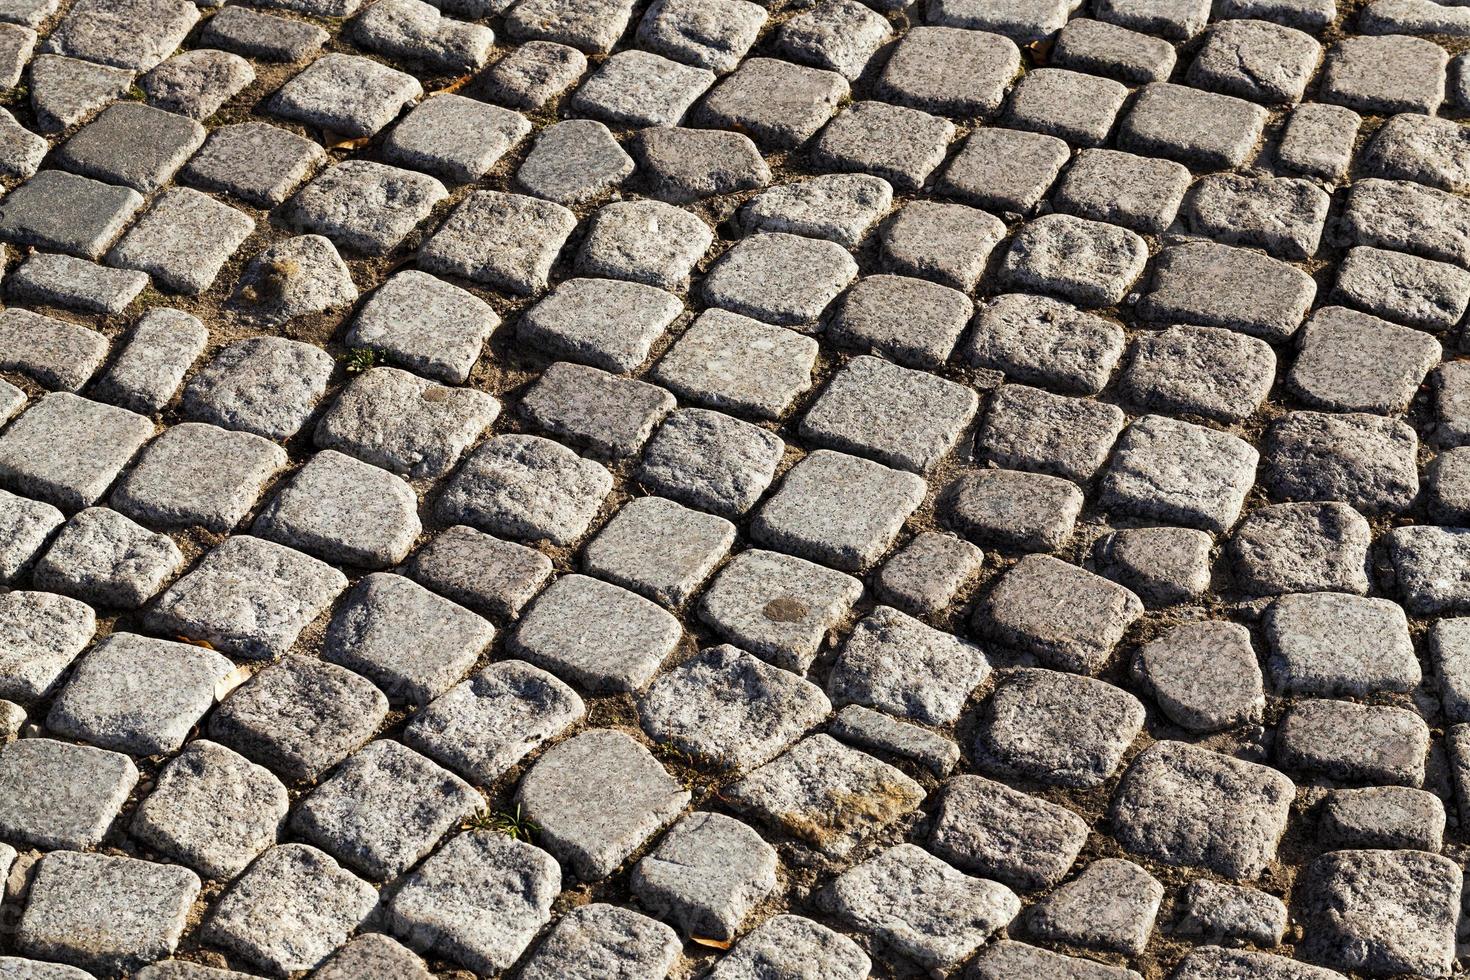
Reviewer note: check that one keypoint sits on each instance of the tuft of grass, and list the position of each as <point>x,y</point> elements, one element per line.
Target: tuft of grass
<point>511,823</point>
<point>136,93</point>
<point>359,359</point>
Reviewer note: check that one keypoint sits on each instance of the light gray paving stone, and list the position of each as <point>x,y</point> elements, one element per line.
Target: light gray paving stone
<point>254,161</point>
<point>923,577</point>
<point>488,723</point>
<point>66,450</point>
<point>294,278</point>
<point>534,73</point>
<point>644,241</point>
<point>62,280</point>
<point>898,664</point>
<point>640,88</point>
<point>197,83</point>
<point>1319,140</point>
<point>1139,193</point>
<point>373,954</point>
<point>732,362</point>
<point>1348,922</point>
<point>705,33</point>
<point>263,36</point>
<point>1353,743</point>
<point>1445,488</point>
<point>1004,170</point>
<point>841,35</point>
<point>133,145</point>
<point>1184,805</point>
<point>707,874</point>
<point>728,708</point>
<point>607,323</point>
<point>454,138</point>
<point>1027,20</point>
<point>1219,286</point>
<point>1384,818</point>
<point>997,832</point>
<point>1087,262</point>
<point>412,643</point>
<point>827,795</point>
<point>1449,641</point>
<point>1012,510</point>
<point>12,400</point>
<point>425,324</point>
<point>62,211</point>
<point>197,474</point>
<point>402,423</point>
<point>507,241</point>
<point>363,206</point>
<point>949,243</point>
<point>315,8</point>
<point>61,796</point>
<point>1365,461</point>
<point>745,101</point>
<point>57,353</point>
<point>264,385</point>
<point>184,240</point>
<point>877,732</point>
<point>950,71</point>
<point>1041,341</point>
<point>574,161</point>
<point>1176,471</point>
<point>1068,617</point>
<point>28,12</point>
<point>135,34</point>
<point>384,809</point>
<point>840,207</point>
<point>592,26</point>
<point>299,717</point>
<point>901,145</point>
<point>1030,429</point>
<point>1284,216</point>
<point>611,416</point>
<point>1407,217</point>
<point>43,633</point>
<point>1204,676</point>
<point>346,94</point>
<point>659,549</point>
<point>1353,362</point>
<point>212,810</point>
<point>416,32</point>
<point>1114,52</point>
<point>1069,105</point>
<point>1385,74</point>
<point>1218,963</point>
<point>25,526</point>
<point>526,487</point>
<point>1307,547</point>
<point>66,92</point>
<point>684,165</point>
<point>1231,913</point>
<point>1057,728</point>
<point>104,912</point>
<point>1430,563</point>
<point>920,907</point>
<point>148,372</point>
<point>793,944</point>
<point>1451,401</point>
<point>21,150</point>
<point>184,970</point>
<point>1208,371</point>
<point>710,461</point>
<point>1206,129</point>
<point>16,46</point>
<point>344,511</point>
<point>1256,60</point>
<point>1007,958</point>
<point>1304,14</point>
<point>603,942</point>
<point>597,798</point>
<point>493,577</point>
<point>1411,17</point>
<point>104,559</point>
<point>778,607</point>
<point>914,322</point>
<point>596,635</point>
<point>293,908</point>
<point>1416,292</point>
<point>1420,148</point>
<point>248,597</point>
<point>1110,906</point>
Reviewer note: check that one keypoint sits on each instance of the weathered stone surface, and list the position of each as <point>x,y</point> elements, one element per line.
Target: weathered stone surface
<point>998,832</point>
<point>526,487</point>
<point>61,796</point>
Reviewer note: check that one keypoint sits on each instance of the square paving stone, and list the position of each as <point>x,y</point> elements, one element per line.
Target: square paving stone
<point>1216,912</point>
<point>777,606</point>
<point>1421,556</point>
<point>702,32</point>
<point>841,207</point>
<point>836,34</point>
<point>67,450</point>
<point>950,71</point>
<point>920,907</point>
<point>106,913</point>
<point>597,798</point>
<point>526,487</point>
<point>259,163</point>
<point>1365,461</point>
<point>747,101</point>
<point>1353,362</point>
<point>404,29</point>
<point>346,94</point>
<point>1445,480</point>
<point>133,145</point>
<point>66,92</point>
<point>949,243</point>
<point>384,809</point>
<point>425,324</point>
<point>1418,148</point>
<point>1114,52</point>
<point>1307,547</point>
<point>135,34</point>
<point>212,810</point>
<point>1012,510</point>
<point>183,240</point>
<point>639,88</point>
<point>249,597</point>
<point>837,509</point>
<point>1040,341</point>
<point>731,362</point>
<point>21,151</point>
<point>373,954</point>
<point>1397,214</point>
<point>402,423</point>
<point>478,902</point>
<point>603,322</point>
<point>826,795</point>
<point>1030,429</point>
<point>507,241</point>
<point>897,664</point>
<point>644,241</point>
<point>991,830</point>
<point>1178,472</point>
<point>488,723</point>
<point>1385,75</point>
<point>262,36</point>
<point>1027,20</point>
<point>61,796</point>
<point>1183,805</point>
<point>1283,215</point>
<point>493,577</point>
<point>1208,130</point>
<point>1068,617</point>
<point>924,576</point>
<point>610,415</point>
<point>707,874</point>
<point>1307,15</point>
<point>1404,288</point>
<point>299,717</point>
<point>729,709</point>
<point>76,284</point>
<point>659,549</point>
<point>1087,262</point>
<point>291,910</point>
<point>593,26</point>
<point>138,695</point>
<point>1234,288</point>
<point>710,461</point>
<point>293,278</point>
<point>596,635</point>
<point>684,165</point>
<point>1207,371</point>
<point>264,385</point>
<point>412,643</point>
<point>790,944</point>
<point>1163,565</point>
<point>1255,60</point>
<point>1005,170</point>
<point>1058,729</point>
<point>1110,906</point>
<point>877,732</point>
<point>364,206</point>
<point>105,559</point>
<point>72,214</point>
<point>779,278</point>
<point>25,526</point>
<point>574,161</point>
<point>1355,904</point>
<point>1008,958</point>
<point>1139,193</point>
<point>42,634</point>
<point>1353,743</point>
<point>1384,818</point>
<point>1319,140</point>
<point>344,511</point>
<point>198,475</point>
<point>1204,676</point>
<point>57,353</point>
<point>454,138</point>
<point>901,417</point>
<point>914,322</point>
<point>1212,962</point>
<point>901,145</point>
<point>605,941</point>
<point>1069,105</point>
<point>532,74</point>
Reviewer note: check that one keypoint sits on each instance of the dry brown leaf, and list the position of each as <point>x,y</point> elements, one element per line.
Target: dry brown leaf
<point>711,943</point>
<point>453,86</point>
<point>1041,51</point>
<point>193,642</point>
<point>230,681</point>
<point>341,141</point>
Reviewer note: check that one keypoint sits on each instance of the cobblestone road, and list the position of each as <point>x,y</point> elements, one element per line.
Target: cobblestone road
<point>610,490</point>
